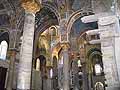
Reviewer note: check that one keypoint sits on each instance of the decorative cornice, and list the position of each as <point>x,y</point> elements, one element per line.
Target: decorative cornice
<point>30,6</point>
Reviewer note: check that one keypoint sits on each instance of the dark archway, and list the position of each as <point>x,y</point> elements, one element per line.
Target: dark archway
<point>43,70</point>
<point>42,62</point>
<point>44,19</point>
<point>4,36</point>
<point>96,68</point>
<point>77,31</point>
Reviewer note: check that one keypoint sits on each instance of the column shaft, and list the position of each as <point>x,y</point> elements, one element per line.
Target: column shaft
<point>66,69</point>
<point>12,54</point>
<point>25,63</point>
<point>49,81</point>
<point>11,71</point>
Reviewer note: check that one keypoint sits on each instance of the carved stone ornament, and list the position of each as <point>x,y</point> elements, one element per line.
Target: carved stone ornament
<point>31,6</point>
<point>65,45</point>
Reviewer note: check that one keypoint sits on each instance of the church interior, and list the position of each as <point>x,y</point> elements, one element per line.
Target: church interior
<point>59,44</point>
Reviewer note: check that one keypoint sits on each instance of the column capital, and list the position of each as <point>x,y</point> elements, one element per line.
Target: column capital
<point>12,53</point>
<point>65,45</point>
<point>30,6</point>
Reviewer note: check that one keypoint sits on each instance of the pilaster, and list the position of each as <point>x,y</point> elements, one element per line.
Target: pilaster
<point>110,49</point>
<point>12,54</point>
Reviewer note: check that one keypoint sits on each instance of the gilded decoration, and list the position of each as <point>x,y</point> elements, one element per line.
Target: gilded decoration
<point>11,53</point>
<point>30,6</point>
<point>65,46</point>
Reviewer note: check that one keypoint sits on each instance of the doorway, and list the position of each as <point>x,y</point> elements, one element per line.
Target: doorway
<point>3,72</point>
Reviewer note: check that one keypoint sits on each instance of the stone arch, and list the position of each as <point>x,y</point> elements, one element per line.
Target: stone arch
<point>10,35</point>
<point>75,19</point>
<point>4,36</point>
<point>42,59</point>
<point>46,25</point>
<point>92,52</point>
<point>54,30</point>
<point>94,56</point>
<point>76,15</point>
<point>7,5</point>
<point>53,9</point>
<point>95,66</point>
<point>98,51</point>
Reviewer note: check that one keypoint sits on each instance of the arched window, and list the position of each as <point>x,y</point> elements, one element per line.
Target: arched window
<point>38,64</point>
<point>53,30</point>
<point>3,49</point>
<point>51,73</point>
<point>79,63</point>
<point>98,69</point>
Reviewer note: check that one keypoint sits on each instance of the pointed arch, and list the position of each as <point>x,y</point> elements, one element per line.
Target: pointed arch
<point>3,49</point>
<point>45,23</point>
<point>75,16</point>
<point>4,43</point>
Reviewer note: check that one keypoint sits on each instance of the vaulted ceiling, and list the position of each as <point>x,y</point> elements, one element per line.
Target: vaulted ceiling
<point>45,17</point>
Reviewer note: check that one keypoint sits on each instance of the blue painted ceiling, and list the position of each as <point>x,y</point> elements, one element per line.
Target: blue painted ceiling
<point>79,27</point>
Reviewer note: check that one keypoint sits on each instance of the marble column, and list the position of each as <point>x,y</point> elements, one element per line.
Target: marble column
<point>49,81</point>
<point>24,74</point>
<point>12,54</point>
<point>66,78</point>
<point>25,63</point>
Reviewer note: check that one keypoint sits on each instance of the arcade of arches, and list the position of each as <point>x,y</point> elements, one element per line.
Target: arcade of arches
<point>59,45</point>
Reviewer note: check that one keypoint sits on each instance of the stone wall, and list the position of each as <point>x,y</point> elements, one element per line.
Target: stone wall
<point>110,50</point>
